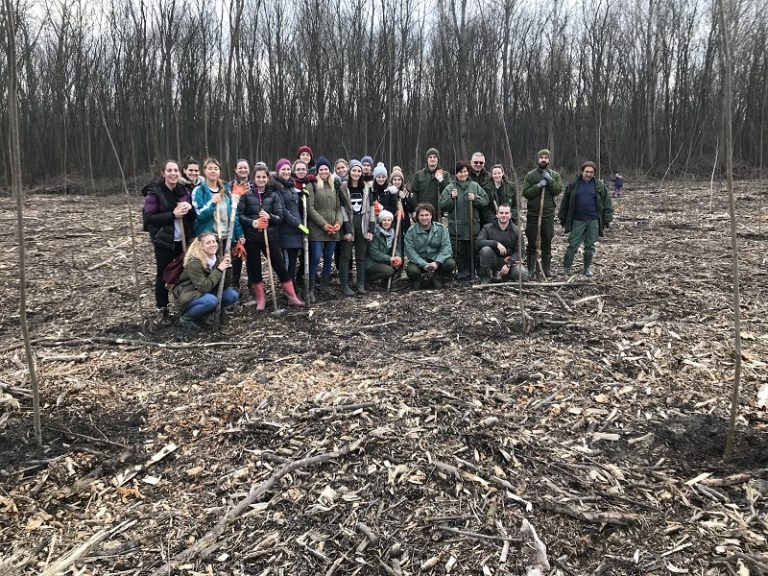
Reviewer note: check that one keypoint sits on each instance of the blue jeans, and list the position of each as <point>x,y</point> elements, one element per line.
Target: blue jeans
<point>318,249</point>
<point>206,303</point>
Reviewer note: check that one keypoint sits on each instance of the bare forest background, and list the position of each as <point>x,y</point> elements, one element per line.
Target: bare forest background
<point>632,84</point>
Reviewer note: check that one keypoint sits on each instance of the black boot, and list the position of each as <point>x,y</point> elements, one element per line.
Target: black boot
<point>360,271</point>
<point>588,266</point>
<point>325,287</point>
<point>344,279</point>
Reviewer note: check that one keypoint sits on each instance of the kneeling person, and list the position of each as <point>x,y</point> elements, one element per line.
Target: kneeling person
<point>498,244</point>
<point>428,249</point>
<point>195,295</point>
<point>385,255</point>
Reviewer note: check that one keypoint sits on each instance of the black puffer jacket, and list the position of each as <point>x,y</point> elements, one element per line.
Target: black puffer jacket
<point>252,203</point>
<point>159,202</point>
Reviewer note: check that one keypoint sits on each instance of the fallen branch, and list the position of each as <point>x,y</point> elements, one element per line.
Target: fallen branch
<point>130,342</point>
<point>15,390</point>
<point>537,563</point>
<point>256,492</point>
<point>62,564</point>
<point>477,535</point>
<point>637,324</point>
<point>610,517</point>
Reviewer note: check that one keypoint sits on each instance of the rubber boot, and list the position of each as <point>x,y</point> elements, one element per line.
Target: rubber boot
<point>532,269</point>
<point>567,262</point>
<point>485,274</point>
<point>325,287</point>
<point>546,265</point>
<point>361,278</point>
<point>312,296</point>
<point>290,294</point>
<point>344,279</point>
<point>588,266</point>
<point>257,289</point>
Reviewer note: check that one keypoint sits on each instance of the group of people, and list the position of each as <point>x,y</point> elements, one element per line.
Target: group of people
<point>359,217</point>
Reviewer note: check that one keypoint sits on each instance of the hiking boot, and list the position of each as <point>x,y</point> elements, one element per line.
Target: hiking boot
<point>416,283</point>
<point>361,279</point>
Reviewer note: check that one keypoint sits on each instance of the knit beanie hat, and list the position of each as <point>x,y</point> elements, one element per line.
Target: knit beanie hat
<point>261,166</point>
<point>366,159</point>
<point>306,149</point>
<point>353,163</point>
<point>460,165</point>
<point>431,151</point>
<point>282,162</point>
<point>543,152</point>
<point>380,170</point>
<point>322,161</point>
<point>396,171</point>
<point>588,163</point>
<point>385,214</point>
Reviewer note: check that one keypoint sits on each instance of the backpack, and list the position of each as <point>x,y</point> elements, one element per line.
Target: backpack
<point>175,267</point>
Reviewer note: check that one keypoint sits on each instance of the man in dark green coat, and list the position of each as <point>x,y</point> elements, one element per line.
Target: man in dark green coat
<point>430,181</point>
<point>585,212</point>
<point>540,188</point>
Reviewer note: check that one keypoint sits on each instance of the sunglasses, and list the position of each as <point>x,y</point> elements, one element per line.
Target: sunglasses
<point>478,162</point>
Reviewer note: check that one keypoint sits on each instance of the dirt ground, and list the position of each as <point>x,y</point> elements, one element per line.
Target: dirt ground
<point>440,426</point>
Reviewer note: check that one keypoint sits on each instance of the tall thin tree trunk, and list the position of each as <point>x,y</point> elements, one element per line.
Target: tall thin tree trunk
<point>728,145</point>
<point>15,155</point>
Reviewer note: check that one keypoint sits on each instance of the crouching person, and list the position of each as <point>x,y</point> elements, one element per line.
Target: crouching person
<point>195,295</point>
<point>385,255</point>
<point>428,249</point>
<point>498,245</point>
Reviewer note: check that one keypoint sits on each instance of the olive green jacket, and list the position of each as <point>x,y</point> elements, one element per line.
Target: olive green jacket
<point>323,207</point>
<point>426,189</point>
<point>532,193</point>
<point>377,249</point>
<point>505,194</point>
<point>424,246</point>
<point>195,280</point>
<point>459,220</point>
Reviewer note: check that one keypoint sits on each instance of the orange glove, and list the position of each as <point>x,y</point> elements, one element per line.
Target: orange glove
<point>376,208</point>
<point>240,189</point>
<point>238,250</point>
<point>396,261</point>
<point>262,223</point>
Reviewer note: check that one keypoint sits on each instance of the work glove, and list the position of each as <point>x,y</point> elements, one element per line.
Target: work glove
<point>262,223</point>
<point>542,183</point>
<point>238,251</point>
<point>240,189</point>
<point>547,176</point>
<point>304,229</point>
<point>396,261</point>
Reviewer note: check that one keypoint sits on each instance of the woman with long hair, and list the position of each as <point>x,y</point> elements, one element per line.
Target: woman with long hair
<point>213,203</point>
<point>291,230</point>
<point>169,219</point>
<point>358,227</point>
<point>325,218</point>
<point>261,209</point>
<point>195,295</point>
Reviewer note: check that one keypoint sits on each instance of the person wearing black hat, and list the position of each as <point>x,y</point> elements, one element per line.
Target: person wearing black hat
<point>540,188</point>
<point>430,181</point>
<point>585,212</point>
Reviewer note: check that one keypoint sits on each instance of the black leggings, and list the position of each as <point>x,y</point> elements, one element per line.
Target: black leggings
<point>253,263</point>
<point>163,257</point>
<point>291,256</point>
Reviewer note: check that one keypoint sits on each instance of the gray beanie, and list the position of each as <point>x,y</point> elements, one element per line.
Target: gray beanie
<point>380,170</point>
<point>353,163</point>
<point>384,214</point>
